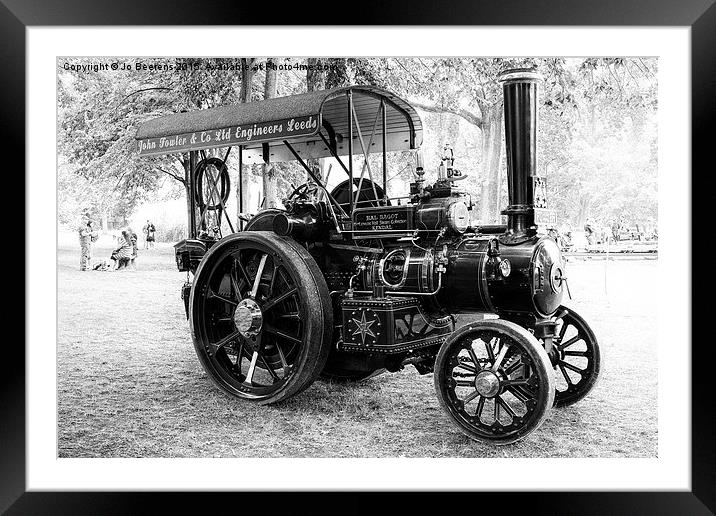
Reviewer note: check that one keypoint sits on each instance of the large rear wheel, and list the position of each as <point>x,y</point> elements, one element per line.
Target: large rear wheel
<point>261,316</point>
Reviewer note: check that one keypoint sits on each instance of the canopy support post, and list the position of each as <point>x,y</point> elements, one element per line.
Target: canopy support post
<point>366,161</point>
<point>331,134</point>
<point>385,157</point>
<point>191,216</point>
<point>241,187</point>
<point>334,154</point>
<point>350,147</point>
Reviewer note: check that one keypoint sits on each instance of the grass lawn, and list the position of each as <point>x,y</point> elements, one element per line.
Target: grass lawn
<point>130,385</point>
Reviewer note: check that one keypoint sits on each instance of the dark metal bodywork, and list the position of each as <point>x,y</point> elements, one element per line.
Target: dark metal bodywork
<point>407,267</point>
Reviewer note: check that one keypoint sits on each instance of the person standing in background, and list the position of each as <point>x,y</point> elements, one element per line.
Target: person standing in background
<point>87,235</point>
<point>148,231</point>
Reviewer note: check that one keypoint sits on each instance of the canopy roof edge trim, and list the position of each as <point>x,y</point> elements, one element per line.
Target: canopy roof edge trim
<point>261,127</point>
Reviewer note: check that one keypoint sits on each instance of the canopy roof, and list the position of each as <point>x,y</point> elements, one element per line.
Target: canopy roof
<point>262,126</point>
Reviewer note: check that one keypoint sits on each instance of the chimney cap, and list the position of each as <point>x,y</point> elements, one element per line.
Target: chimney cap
<point>520,75</point>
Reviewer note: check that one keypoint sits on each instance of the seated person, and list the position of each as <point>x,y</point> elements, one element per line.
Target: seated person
<point>135,249</point>
<point>124,252</point>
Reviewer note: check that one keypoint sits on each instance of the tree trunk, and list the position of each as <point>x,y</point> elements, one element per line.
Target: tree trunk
<point>585,204</point>
<point>491,155</point>
<point>268,171</point>
<point>246,188</point>
<point>247,76</point>
<point>315,81</point>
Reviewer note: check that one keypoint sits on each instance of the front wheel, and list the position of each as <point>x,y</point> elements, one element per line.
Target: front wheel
<point>576,358</point>
<point>261,317</point>
<point>495,381</point>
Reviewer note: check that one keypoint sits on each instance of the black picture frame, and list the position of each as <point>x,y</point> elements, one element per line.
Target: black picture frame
<point>699,15</point>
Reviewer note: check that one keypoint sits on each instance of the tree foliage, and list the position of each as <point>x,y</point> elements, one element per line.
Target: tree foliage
<point>597,140</point>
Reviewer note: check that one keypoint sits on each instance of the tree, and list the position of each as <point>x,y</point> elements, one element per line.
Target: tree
<point>580,99</point>
<point>466,88</point>
<point>245,95</point>
<point>99,113</point>
<point>268,171</point>
<point>597,123</point>
<point>603,163</point>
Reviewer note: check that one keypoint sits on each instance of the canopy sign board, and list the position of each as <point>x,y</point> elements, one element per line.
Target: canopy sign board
<point>237,135</point>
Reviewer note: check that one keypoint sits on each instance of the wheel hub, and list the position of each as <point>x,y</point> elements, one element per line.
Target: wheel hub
<point>487,384</point>
<point>248,318</point>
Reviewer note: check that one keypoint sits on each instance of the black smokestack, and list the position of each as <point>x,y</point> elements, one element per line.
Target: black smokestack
<point>520,91</point>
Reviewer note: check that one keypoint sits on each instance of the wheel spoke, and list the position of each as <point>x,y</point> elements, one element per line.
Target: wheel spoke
<point>464,383</point>
<point>563,329</point>
<point>467,367</point>
<point>470,397</point>
<point>293,316</point>
<point>272,282</point>
<point>577,354</point>
<point>231,336</point>
<point>274,331</point>
<point>564,373</point>
<point>490,351</point>
<point>252,367</point>
<point>239,356</point>
<point>273,302</point>
<point>221,298</point>
<point>473,356</point>
<point>510,383</point>
<point>282,357</point>
<point>505,406</point>
<point>571,341</point>
<point>480,406</point>
<point>500,357</point>
<point>514,367</point>
<point>257,279</point>
<point>518,393</point>
<point>240,266</point>
<point>572,367</point>
<point>235,281</point>
<point>268,368</point>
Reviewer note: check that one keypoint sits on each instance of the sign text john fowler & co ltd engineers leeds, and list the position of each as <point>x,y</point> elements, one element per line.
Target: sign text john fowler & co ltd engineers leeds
<point>260,132</point>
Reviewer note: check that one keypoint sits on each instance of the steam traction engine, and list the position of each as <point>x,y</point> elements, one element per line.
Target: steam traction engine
<point>347,283</point>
